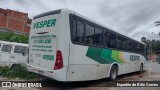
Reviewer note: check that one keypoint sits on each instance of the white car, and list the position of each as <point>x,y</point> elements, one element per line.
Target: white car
<point>12,54</point>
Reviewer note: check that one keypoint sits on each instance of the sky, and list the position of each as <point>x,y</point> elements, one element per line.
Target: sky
<point>134,18</point>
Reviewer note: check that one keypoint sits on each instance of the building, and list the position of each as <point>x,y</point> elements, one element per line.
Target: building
<point>154,56</point>
<point>14,21</point>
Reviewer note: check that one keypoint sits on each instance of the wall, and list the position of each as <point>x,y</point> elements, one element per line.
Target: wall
<point>14,20</point>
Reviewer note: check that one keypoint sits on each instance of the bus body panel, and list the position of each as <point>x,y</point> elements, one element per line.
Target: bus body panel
<point>64,37</point>
<point>59,75</point>
<point>82,72</point>
<point>83,68</point>
<point>80,64</point>
<point>59,37</point>
<point>80,56</point>
<point>85,72</point>
<point>131,65</point>
<point>43,43</point>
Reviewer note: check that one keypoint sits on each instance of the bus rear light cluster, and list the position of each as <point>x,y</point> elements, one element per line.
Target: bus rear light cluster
<point>59,60</point>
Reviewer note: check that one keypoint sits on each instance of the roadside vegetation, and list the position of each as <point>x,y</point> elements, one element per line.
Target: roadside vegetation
<point>17,72</point>
<point>152,45</point>
<point>12,37</point>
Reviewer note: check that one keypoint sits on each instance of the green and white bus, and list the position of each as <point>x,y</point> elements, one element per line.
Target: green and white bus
<point>67,46</point>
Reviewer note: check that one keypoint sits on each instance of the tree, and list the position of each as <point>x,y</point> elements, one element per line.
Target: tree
<point>143,39</point>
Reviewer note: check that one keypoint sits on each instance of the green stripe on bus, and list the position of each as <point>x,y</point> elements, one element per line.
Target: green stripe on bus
<point>115,56</point>
<point>95,54</point>
<point>104,56</point>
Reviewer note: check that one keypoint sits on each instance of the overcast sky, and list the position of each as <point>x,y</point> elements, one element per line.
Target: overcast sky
<point>131,17</point>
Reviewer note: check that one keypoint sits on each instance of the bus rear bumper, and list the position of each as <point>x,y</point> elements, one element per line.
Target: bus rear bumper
<point>59,75</point>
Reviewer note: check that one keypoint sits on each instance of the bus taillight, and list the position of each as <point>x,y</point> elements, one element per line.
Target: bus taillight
<point>59,60</point>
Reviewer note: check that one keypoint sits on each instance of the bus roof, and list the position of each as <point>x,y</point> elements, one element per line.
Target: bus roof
<point>14,43</point>
<point>73,12</point>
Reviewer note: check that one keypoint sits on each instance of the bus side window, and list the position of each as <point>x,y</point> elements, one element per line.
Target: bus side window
<point>78,31</point>
<point>119,42</point>
<point>132,43</point>
<point>89,34</point>
<point>145,51</point>
<point>124,43</point>
<point>74,31</point>
<point>112,40</point>
<point>6,48</point>
<point>98,37</point>
<point>107,39</point>
<point>138,48</point>
<point>128,45</point>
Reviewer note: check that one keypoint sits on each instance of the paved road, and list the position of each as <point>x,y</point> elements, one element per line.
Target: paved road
<point>153,67</point>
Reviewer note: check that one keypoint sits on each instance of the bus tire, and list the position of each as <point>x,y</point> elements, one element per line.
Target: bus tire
<point>141,68</point>
<point>113,73</point>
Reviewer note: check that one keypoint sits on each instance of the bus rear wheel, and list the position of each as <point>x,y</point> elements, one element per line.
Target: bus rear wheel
<point>113,73</point>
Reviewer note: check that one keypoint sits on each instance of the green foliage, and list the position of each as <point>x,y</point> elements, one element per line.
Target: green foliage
<point>153,45</point>
<point>12,37</point>
<point>17,71</point>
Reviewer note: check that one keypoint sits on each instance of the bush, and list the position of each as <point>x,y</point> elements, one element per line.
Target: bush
<point>17,71</point>
<point>12,37</point>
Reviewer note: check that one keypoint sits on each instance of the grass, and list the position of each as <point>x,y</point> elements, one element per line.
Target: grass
<point>17,72</point>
